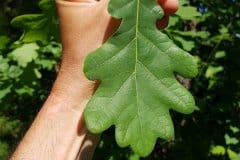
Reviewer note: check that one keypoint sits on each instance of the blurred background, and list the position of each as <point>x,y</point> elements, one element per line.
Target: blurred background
<point>30,52</point>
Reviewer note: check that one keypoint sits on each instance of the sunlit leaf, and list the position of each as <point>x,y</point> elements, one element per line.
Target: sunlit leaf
<point>25,54</point>
<point>232,155</point>
<point>137,68</point>
<point>188,12</point>
<point>218,150</point>
<point>230,140</point>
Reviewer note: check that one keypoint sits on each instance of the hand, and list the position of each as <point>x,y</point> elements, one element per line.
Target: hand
<point>58,131</point>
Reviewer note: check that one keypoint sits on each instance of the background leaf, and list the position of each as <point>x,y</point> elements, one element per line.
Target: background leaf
<point>25,54</point>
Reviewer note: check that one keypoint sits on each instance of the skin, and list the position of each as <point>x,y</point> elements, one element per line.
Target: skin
<point>58,132</point>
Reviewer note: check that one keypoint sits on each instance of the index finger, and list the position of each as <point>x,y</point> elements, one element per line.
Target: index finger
<point>169,6</point>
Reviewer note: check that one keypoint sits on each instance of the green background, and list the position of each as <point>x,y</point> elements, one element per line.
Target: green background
<point>30,52</point>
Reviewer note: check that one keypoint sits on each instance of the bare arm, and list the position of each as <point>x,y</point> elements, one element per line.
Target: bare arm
<point>59,130</point>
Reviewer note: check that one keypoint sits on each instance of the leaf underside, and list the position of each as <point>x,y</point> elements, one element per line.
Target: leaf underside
<point>137,67</point>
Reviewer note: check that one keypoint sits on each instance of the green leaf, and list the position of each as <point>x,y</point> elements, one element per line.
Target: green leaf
<point>4,40</point>
<point>136,67</point>
<point>9,126</point>
<point>223,29</point>
<point>234,129</point>
<point>230,140</point>
<point>25,54</point>
<point>183,2</point>
<point>220,37</point>
<point>193,34</point>
<point>220,54</point>
<point>188,12</point>
<point>232,155</point>
<point>4,91</point>
<point>39,27</point>
<point>173,20</point>
<point>187,45</point>
<point>212,71</point>
<point>36,35</point>
<point>46,64</point>
<point>4,150</point>
<point>134,157</point>
<point>36,27</point>
<point>14,72</point>
<point>48,6</point>
<point>30,21</point>
<point>218,150</point>
<point>3,65</point>
<point>24,90</point>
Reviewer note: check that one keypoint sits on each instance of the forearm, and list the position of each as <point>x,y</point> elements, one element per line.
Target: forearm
<point>57,133</point>
<point>58,130</point>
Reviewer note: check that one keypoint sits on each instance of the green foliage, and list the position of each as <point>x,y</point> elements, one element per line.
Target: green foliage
<point>212,36</point>
<point>136,67</point>
<point>27,67</point>
<point>25,54</point>
<point>218,150</point>
<point>39,27</point>
<point>3,150</point>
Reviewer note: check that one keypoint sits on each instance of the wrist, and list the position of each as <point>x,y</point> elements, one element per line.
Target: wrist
<point>70,92</point>
<point>71,85</point>
<point>62,131</point>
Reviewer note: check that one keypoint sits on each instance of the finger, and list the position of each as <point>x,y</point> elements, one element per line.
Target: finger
<point>169,6</point>
<point>82,0</point>
<point>162,23</point>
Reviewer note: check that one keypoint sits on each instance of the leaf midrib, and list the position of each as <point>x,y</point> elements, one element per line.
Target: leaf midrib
<point>136,60</point>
